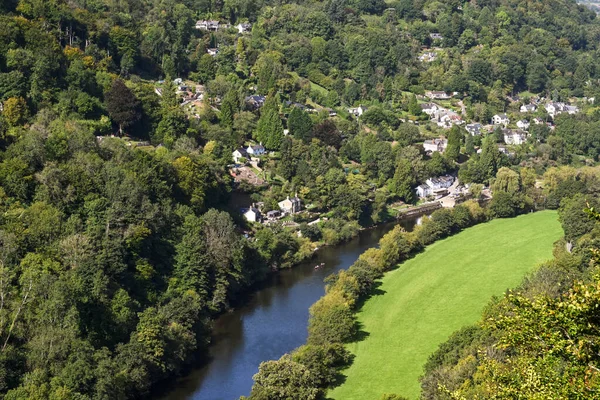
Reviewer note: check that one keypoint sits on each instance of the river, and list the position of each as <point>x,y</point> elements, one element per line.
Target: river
<point>272,322</point>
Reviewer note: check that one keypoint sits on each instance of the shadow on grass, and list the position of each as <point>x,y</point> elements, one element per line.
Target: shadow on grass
<point>375,291</point>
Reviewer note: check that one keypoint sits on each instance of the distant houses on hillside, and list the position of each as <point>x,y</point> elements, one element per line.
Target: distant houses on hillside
<point>435,145</point>
<point>435,186</point>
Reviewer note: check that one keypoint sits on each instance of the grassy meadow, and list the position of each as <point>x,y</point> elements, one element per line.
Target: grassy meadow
<point>437,292</point>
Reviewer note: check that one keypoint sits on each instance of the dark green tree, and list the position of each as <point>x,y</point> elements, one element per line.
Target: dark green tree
<point>300,124</point>
<point>122,105</point>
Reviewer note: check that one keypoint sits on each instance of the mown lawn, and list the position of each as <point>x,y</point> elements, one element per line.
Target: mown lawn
<point>439,291</point>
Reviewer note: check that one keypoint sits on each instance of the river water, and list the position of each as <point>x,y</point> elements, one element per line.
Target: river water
<point>272,322</point>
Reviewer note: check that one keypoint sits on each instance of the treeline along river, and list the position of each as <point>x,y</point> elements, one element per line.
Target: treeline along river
<point>271,323</point>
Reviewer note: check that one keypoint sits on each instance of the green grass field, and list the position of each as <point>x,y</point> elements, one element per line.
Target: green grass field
<point>436,293</point>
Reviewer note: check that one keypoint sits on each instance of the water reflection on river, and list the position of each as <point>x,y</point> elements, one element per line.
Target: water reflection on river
<point>272,322</point>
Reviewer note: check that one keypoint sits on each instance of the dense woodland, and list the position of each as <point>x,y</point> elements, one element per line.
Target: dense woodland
<point>116,252</point>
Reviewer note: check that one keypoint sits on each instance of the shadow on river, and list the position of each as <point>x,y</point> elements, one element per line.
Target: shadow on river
<point>273,321</point>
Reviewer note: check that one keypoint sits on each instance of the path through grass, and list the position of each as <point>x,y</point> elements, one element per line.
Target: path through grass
<point>436,293</point>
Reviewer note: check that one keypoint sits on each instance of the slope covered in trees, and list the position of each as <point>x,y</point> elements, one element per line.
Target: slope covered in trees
<point>117,251</point>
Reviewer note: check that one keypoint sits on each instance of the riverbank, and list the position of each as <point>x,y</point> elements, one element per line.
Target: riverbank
<point>436,293</point>
<point>270,322</point>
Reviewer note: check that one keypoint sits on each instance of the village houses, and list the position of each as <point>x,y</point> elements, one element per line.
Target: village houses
<point>439,145</point>
<point>205,25</point>
<point>515,137</point>
<point>500,119</point>
<point>290,206</point>
<point>253,214</point>
<point>438,95</point>
<point>255,101</point>
<point>553,109</point>
<point>429,108</point>
<point>357,111</point>
<point>523,124</point>
<point>428,56</point>
<point>528,108</point>
<point>474,129</point>
<point>244,27</point>
<point>435,186</point>
<point>238,154</point>
<point>257,150</point>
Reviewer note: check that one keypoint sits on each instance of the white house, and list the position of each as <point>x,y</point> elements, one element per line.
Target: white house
<point>428,56</point>
<point>516,137</point>
<point>256,150</point>
<point>554,109</point>
<point>424,190</point>
<point>538,121</point>
<point>213,51</point>
<point>500,119</point>
<point>528,108</point>
<point>290,206</point>
<point>208,25</point>
<point>438,95</point>
<point>523,124</point>
<point>434,145</point>
<point>238,154</point>
<point>439,183</point>
<point>429,108</point>
<point>474,129</point>
<point>244,27</point>
<point>253,214</point>
<point>436,36</point>
<point>357,111</point>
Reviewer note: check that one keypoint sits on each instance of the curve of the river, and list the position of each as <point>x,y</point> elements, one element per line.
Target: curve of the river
<point>273,321</point>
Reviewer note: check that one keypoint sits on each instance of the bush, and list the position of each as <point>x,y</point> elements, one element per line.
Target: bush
<point>331,320</point>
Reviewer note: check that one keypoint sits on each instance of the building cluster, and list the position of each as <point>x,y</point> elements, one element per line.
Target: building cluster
<point>289,206</point>
<point>428,56</point>
<point>435,186</point>
<point>435,145</point>
<point>247,152</point>
<point>214,25</point>
<point>442,117</point>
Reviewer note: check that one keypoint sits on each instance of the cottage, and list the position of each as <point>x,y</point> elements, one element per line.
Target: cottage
<point>434,145</point>
<point>553,109</point>
<point>538,121</point>
<point>474,129</point>
<point>244,27</point>
<point>428,56</point>
<point>205,25</point>
<point>516,137</point>
<point>500,119</point>
<point>424,191</point>
<point>357,111</point>
<point>213,51</point>
<point>528,108</point>
<point>440,183</point>
<point>438,95</point>
<point>290,206</point>
<point>429,108</point>
<point>255,101</point>
<point>523,124</point>
<point>436,36</point>
<point>256,150</point>
<point>253,214</point>
<point>331,112</point>
<point>239,154</point>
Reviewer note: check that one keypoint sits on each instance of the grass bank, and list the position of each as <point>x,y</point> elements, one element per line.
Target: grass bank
<point>437,292</point>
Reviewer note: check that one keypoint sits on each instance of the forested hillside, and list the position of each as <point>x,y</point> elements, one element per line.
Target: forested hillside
<point>118,120</point>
